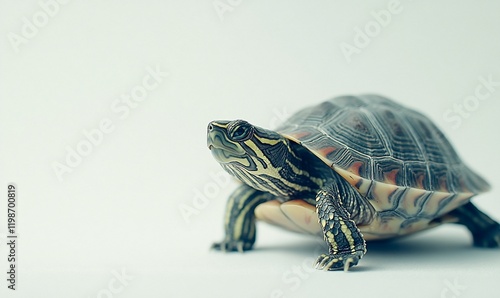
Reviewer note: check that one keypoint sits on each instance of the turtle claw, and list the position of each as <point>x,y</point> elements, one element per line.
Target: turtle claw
<point>232,245</point>
<point>333,262</point>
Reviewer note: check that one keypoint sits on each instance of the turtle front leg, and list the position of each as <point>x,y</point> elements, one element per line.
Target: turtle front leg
<point>239,223</point>
<point>335,205</point>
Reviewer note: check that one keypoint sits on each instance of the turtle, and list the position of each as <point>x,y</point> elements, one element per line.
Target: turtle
<point>351,169</point>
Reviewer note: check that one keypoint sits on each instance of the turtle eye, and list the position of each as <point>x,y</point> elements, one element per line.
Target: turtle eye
<point>241,132</point>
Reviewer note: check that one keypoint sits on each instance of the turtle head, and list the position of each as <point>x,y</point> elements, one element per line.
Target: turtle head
<point>252,154</point>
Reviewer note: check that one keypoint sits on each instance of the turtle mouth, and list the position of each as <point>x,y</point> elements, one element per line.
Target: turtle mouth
<point>225,156</point>
<point>223,150</point>
<point>216,141</point>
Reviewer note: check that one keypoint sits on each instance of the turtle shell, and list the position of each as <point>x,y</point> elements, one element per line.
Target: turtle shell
<point>396,157</point>
<point>374,138</point>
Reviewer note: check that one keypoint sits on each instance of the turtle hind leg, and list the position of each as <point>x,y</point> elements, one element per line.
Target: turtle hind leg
<point>485,231</point>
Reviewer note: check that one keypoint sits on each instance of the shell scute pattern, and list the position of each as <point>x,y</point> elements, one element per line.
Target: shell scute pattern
<point>379,140</point>
<point>354,122</point>
<point>401,143</point>
<point>396,157</point>
<point>413,203</point>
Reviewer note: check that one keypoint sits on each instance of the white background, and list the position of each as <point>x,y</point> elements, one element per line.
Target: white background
<point>119,207</point>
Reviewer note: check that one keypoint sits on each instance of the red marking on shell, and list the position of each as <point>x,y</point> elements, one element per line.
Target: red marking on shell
<point>464,187</point>
<point>354,168</point>
<point>299,135</point>
<point>420,181</point>
<point>348,176</point>
<point>390,177</point>
<point>326,151</point>
<point>443,186</point>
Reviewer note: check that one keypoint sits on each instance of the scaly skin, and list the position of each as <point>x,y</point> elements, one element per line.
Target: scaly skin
<point>239,223</point>
<point>346,244</point>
